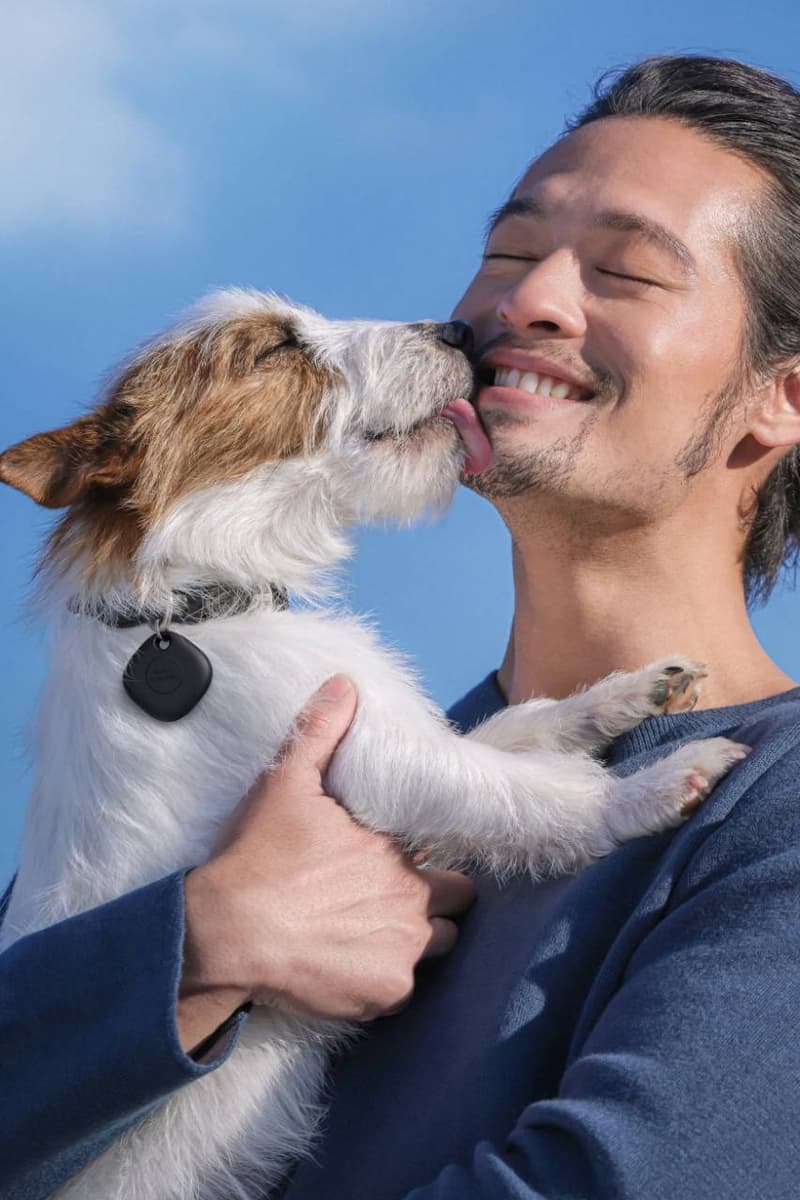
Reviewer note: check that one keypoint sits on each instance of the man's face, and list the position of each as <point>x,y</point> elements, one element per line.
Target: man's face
<point>612,269</point>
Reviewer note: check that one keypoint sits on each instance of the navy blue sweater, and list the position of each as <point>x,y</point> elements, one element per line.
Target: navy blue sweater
<point>628,1032</point>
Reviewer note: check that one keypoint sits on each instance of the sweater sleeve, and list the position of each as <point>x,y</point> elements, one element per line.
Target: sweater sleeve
<point>88,1038</point>
<point>687,1083</point>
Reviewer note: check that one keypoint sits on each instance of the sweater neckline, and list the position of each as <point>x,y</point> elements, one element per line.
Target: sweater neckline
<point>655,731</point>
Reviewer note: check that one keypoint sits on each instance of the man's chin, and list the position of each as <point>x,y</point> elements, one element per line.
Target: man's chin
<point>500,481</point>
<point>476,483</point>
<point>533,472</point>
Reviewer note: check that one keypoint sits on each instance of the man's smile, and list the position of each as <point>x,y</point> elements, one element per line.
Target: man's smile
<point>520,380</point>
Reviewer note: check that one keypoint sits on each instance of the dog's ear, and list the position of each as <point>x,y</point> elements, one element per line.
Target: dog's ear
<point>58,468</point>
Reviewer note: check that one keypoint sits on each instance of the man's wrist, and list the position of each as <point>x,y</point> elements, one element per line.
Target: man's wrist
<point>208,994</point>
<point>203,1019</point>
<point>217,1043</point>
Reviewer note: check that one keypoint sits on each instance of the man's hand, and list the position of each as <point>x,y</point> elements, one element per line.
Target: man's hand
<point>302,908</point>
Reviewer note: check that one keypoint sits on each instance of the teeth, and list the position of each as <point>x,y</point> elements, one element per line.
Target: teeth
<point>530,381</point>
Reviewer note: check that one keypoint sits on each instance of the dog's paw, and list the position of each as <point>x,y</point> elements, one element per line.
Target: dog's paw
<point>673,685</point>
<point>663,794</point>
<point>706,762</point>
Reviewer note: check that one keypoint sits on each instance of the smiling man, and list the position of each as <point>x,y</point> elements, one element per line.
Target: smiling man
<point>628,1033</point>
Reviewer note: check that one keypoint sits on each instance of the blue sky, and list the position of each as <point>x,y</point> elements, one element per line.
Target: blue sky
<point>346,152</point>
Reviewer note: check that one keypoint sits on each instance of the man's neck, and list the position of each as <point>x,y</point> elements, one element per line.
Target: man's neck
<point>582,611</point>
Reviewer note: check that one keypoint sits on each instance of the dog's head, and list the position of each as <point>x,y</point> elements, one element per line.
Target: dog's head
<point>254,424</point>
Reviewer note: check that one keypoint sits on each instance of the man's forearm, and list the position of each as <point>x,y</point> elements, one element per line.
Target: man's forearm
<point>87,1033</point>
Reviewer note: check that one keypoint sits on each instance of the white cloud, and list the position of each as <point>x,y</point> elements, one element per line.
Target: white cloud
<point>79,152</point>
<point>73,149</point>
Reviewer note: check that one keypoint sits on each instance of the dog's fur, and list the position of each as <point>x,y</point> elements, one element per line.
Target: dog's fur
<point>239,447</point>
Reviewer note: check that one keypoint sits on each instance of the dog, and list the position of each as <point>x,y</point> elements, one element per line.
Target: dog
<point>223,469</point>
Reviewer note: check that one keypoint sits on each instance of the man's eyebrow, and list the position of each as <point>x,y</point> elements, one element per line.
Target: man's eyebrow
<point>517,206</point>
<point>618,219</point>
<point>651,231</point>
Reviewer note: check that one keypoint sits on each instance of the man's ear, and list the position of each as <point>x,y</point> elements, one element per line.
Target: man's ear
<point>775,419</point>
<point>60,467</point>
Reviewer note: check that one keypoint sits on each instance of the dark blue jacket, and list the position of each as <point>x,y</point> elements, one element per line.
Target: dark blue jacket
<point>627,1033</point>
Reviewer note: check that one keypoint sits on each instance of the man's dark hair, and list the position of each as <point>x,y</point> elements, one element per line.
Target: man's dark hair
<point>757,116</point>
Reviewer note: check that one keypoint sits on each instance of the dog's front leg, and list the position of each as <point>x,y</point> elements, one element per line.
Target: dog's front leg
<point>539,811</point>
<point>589,720</point>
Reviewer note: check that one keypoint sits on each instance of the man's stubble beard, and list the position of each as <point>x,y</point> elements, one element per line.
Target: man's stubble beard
<point>544,469</point>
<point>548,469</point>
<point>705,445</point>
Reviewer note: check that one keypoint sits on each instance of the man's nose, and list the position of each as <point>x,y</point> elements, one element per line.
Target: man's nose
<point>547,297</point>
<point>457,334</point>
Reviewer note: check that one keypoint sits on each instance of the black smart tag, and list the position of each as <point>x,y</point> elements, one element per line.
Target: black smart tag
<point>167,676</point>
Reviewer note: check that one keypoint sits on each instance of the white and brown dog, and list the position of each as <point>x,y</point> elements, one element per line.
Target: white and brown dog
<point>224,467</point>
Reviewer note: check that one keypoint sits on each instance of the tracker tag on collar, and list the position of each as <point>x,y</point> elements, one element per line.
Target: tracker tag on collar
<point>167,676</point>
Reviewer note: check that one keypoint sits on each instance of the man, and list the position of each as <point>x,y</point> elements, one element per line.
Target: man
<point>627,1032</point>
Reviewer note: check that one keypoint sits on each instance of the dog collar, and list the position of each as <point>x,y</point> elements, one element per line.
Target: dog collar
<point>189,607</point>
<point>169,675</point>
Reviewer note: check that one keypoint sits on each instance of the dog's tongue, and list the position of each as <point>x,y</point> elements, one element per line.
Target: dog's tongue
<point>476,444</point>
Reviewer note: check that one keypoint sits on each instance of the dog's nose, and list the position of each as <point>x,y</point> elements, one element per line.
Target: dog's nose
<point>457,334</point>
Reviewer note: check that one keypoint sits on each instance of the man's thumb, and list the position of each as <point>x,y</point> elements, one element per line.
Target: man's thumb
<point>322,724</point>
<point>317,732</point>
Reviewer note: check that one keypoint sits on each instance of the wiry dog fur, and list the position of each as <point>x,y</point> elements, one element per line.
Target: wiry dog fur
<point>240,447</point>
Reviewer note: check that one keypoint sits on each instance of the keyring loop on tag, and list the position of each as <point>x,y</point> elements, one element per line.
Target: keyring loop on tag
<point>160,633</point>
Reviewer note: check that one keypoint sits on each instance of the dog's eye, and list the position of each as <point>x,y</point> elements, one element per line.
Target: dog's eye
<point>286,343</point>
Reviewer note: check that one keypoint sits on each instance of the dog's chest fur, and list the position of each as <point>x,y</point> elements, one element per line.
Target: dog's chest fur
<point>139,798</point>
